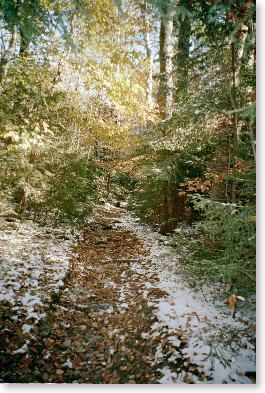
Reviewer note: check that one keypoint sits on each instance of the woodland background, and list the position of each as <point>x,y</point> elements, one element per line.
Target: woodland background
<point>146,101</point>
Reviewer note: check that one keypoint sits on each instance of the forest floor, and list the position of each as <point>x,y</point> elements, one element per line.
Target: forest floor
<point>112,310</point>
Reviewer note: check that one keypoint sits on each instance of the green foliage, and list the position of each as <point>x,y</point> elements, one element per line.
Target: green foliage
<point>222,246</point>
<point>73,190</point>
<point>121,184</point>
<point>146,199</point>
<point>29,16</point>
<point>36,20</point>
<point>43,168</point>
<point>173,166</point>
<point>74,81</point>
<point>124,180</point>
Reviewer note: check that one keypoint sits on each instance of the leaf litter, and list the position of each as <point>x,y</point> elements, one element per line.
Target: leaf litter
<point>112,310</point>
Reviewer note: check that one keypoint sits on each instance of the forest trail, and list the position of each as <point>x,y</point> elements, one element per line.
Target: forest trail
<point>103,311</point>
<point>124,316</point>
<point>152,102</point>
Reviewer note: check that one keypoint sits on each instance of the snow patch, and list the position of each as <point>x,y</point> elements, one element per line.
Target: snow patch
<point>217,344</point>
<point>34,262</point>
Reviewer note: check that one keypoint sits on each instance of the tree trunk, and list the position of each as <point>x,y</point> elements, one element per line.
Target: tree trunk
<point>24,43</point>
<point>164,209</point>
<point>165,97</point>
<point>7,56</point>
<point>149,58</point>
<point>237,53</point>
<point>251,90</point>
<point>236,61</point>
<point>171,206</point>
<point>182,56</point>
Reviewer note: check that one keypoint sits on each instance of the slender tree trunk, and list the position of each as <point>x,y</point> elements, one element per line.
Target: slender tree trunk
<point>24,44</point>
<point>165,57</point>
<point>251,90</point>
<point>164,216</point>
<point>236,63</point>
<point>150,60</point>
<point>235,119</point>
<point>5,60</point>
<point>165,96</point>
<point>182,56</point>
<point>237,53</point>
<point>252,139</point>
<point>173,207</point>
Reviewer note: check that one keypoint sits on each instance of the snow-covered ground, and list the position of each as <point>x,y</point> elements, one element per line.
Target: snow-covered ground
<point>33,263</point>
<point>216,345</point>
<point>199,341</point>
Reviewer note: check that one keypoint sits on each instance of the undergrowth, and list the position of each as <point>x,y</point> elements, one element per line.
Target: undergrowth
<point>221,248</point>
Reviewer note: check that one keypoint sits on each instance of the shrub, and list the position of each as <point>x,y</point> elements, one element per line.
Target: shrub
<point>222,246</point>
<point>73,190</point>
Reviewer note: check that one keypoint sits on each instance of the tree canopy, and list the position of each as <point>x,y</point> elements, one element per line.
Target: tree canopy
<point>149,100</point>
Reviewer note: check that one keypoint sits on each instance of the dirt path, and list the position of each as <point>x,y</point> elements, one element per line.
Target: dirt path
<point>93,332</point>
<point>101,314</point>
<point>116,319</point>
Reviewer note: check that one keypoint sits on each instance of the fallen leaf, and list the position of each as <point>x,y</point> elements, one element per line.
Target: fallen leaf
<point>231,301</point>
